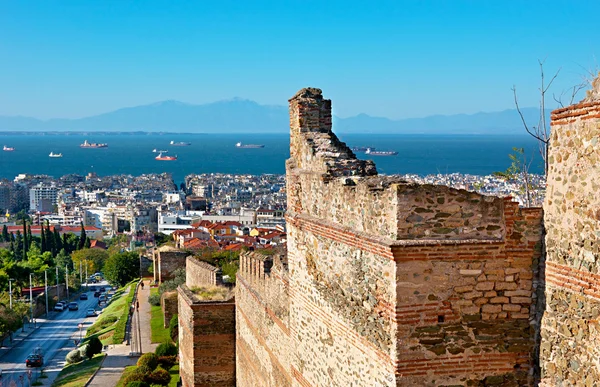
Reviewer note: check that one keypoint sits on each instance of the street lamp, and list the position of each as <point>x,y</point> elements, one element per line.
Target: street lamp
<point>30,297</point>
<point>80,326</point>
<point>67,280</point>
<point>46,289</point>
<point>10,280</point>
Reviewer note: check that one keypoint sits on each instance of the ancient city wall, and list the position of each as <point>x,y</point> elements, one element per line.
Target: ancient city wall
<point>393,283</point>
<point>169,305</point>
<point>570,346</point>
<point>199,273</point>
<point>206,341</point>
<point>167,260</point>
<point>262,322</point>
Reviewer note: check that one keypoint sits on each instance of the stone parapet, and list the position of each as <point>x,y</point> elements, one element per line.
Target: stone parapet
<point>200,273</point>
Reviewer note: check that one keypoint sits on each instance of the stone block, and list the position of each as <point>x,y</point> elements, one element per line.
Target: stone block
<point>463,289</point>
<point>520,300</point>
<point>499,300</point>
<point>511,308</point>
<point>489,308</point>
<point>506,286</point>
<point>488,285</point>
<point>470,272</point>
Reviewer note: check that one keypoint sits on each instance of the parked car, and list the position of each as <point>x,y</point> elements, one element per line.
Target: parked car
<point>34,361</point>
<point>102,297</point>
<point>96,294</point>
<point>59,307</point>
<point>90,313</point>
<point>83,296</point>
<point>102,290</point>
<point>73,306</point>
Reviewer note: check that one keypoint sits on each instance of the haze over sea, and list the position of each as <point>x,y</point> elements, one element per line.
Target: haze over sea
<point>132,154</point>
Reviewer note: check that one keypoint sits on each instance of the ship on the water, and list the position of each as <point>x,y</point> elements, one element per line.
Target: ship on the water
<point>248,146</point>
<point>8,149</point>
<point>93,145</point>
<point>361,148</point>
<point>372,152</point>
<point>52,154</point>
<point>161,157</point>
<point>180,143</point>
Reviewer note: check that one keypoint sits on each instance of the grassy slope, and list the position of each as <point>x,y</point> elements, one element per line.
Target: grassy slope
<point>159,333</point>
<point>76,375</point>
<point>117,310</point>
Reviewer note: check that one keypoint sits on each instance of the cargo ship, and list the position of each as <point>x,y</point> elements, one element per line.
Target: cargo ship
<point>181,143</point>
<point>248,146</point>
<point>371,152</point>
<point>160,157</point>
<point>52,154</point>
<point>361,148</point>
<point>94,145</point>
<point>8,149</point>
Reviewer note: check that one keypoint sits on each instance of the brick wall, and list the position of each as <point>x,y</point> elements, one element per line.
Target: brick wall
<point>570,346</point>
<point>393,283</point>
<point>169,305</point>
<point>262,331</point>
<point>206,341</point>
<point>167,260</point>
<point>199,273</point>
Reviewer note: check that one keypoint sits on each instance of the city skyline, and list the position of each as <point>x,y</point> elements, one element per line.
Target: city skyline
<point>396,60</point>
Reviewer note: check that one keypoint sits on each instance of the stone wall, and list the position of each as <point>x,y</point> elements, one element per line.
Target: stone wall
<point>262,321</point>
<point>570,346</point>
<point>199,273</point>
<point>206,341</point>
<point>167,260</point>
<point>393,283</point>
<point>169,304</point>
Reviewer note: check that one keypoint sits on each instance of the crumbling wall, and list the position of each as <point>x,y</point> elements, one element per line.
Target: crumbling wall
<point>167,261</point>
<point>169,305</point>
<point>199,273</point>
<point>263,339</point>
<point>393,283</point>
<point>570,346</point>
<point>206,341</point>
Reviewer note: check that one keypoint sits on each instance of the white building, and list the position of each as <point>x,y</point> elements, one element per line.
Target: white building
<point>42,197</point>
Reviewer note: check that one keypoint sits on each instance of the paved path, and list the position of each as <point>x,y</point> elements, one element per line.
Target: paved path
<point>118,356</point>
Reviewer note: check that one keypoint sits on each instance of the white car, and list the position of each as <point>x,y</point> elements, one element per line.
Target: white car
<point>59,307</point>
<point>90,313</point>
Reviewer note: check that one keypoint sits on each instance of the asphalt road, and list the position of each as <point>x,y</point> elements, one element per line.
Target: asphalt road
<point>56,335</point>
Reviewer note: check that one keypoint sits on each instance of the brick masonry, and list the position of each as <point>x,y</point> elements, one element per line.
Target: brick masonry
<point>166,260</point>
<point>390,283</point>
<point>169,305</point>
<point>206,341</point>
<point>570,346</point>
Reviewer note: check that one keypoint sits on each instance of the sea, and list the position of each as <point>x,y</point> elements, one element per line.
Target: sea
<point>133,154</point>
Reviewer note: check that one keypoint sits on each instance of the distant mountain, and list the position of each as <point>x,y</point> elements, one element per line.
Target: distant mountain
<point>239,115</point>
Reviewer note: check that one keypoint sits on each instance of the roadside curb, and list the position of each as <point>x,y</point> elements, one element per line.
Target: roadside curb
<point>95,372</point>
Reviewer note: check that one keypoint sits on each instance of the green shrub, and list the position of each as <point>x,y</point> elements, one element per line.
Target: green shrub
<point>154,299</point>
<point>160,376</point>
<point>82,350</point>
<point>137,383</point>
<point>73,357</point>
<point>167,362</point>
<point>135,376</point>
<point>94,346</point>
<point>149,360</point>
<point>166,349</point>
<point>174,327</point>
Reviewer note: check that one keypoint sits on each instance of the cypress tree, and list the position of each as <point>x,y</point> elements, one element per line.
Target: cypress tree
<point>19,246</point>
<point>25,242</point>
<point>44,247</point>
<point>12,246</point>
<point>82,238</point>
<point>29,238</point>
<point>50,241</point>
<point>57,241</point>
<point>88,243</point>
<point>65,244</point>
<point>5,235</point>
<point>12,237</point>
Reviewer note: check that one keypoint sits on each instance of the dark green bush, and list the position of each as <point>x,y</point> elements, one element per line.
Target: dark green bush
<point>174,327</point>
<point>160,376</point>
<point>149,360</point>
<point>167,362</point>
<point>137,383</point>
<point>154,299</point>
<point>94,346</point>
<point>135,376</point>
<point>166,349</point>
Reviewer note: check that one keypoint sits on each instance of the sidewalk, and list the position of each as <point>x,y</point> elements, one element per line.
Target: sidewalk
<point>18,337</point>
<point>117,356</point>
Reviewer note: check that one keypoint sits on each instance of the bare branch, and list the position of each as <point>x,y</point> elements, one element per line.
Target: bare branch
<point>514,89</point>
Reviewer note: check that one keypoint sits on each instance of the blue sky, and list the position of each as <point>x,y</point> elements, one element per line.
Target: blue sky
<point>395,59</point>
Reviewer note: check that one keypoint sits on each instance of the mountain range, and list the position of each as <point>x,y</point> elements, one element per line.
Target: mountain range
<point>245,116</point>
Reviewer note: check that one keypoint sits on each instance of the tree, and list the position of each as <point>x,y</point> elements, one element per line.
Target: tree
<point>5,235</point>
<point>25,242</point>
<point>519,170</point>
<point>82,237</point>
<point>88,243</point>
<point>44,247</point>
<point>57,241</point>
<point>121,268</point>
<point>63,259</point>
<point>94,346</point>
<point>19,245</point>
<point>29,237</point>
<point>93,259</point>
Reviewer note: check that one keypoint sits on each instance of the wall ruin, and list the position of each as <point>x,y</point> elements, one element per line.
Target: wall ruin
<point>570,346</point>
